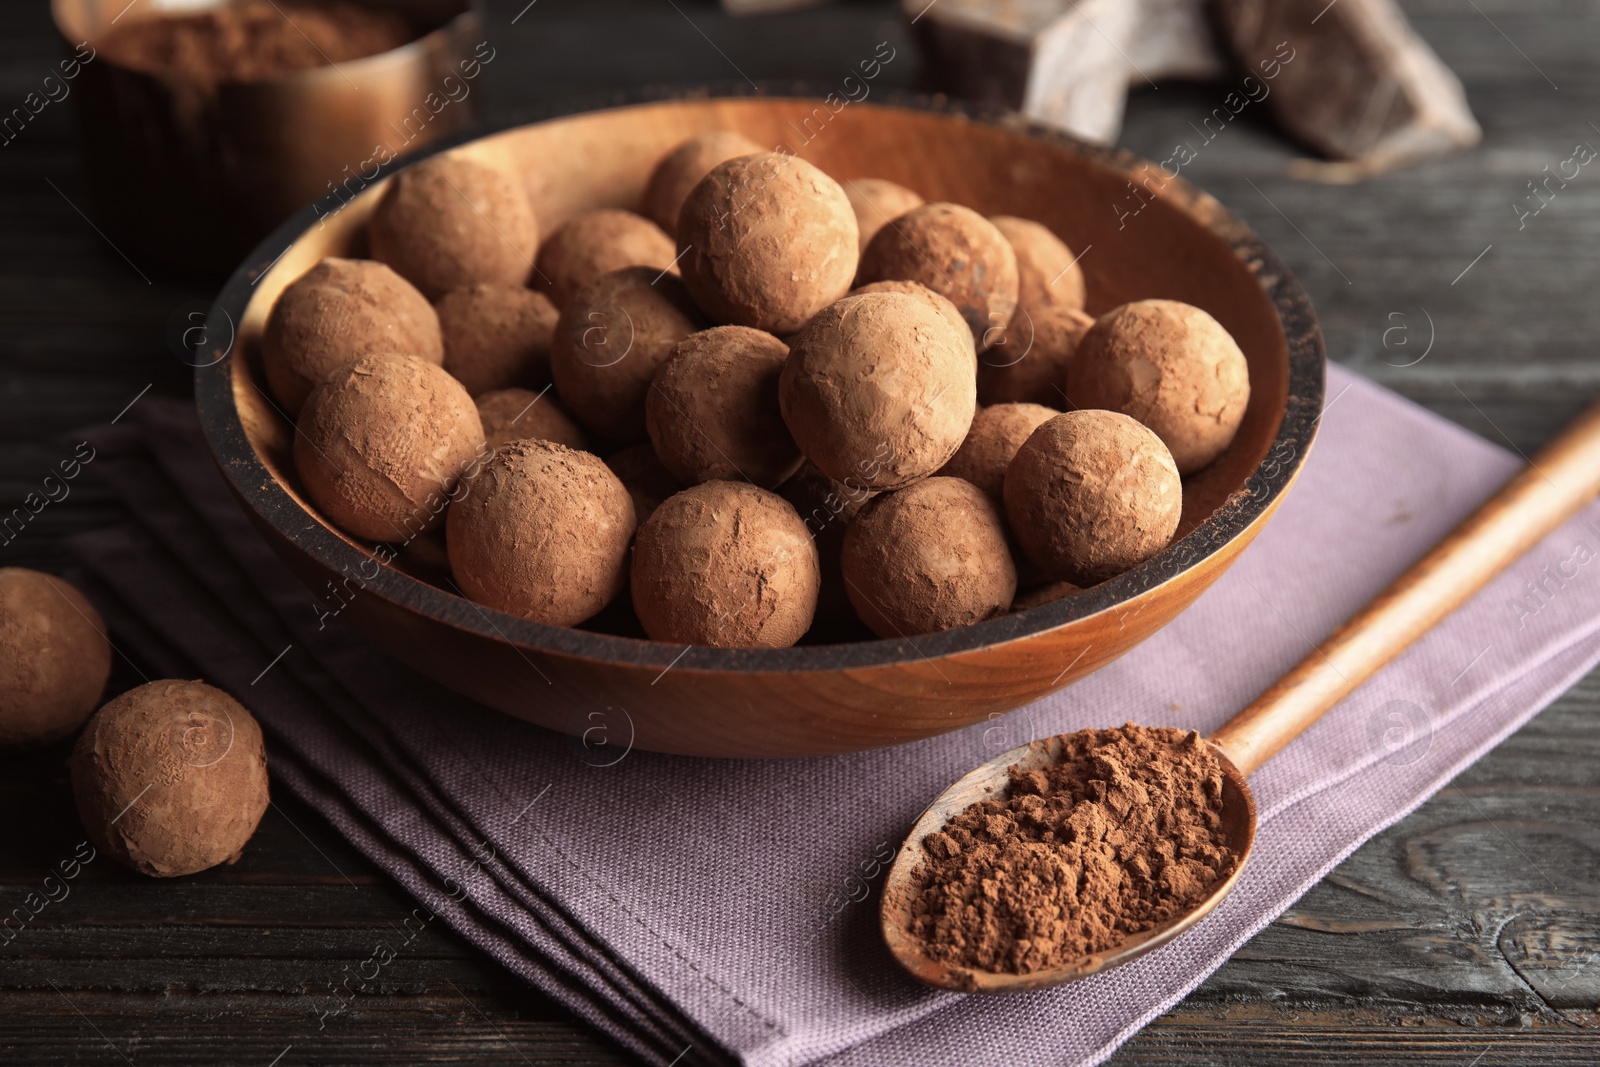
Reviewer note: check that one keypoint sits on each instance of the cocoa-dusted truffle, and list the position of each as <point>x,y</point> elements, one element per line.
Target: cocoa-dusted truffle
<point>647,481</point>
<point>1047,593</point>
<point>1028,364</point>
<point>54,658</point>
<point>613,336</point>
<point>543,534</point>
<point>1171,366</point>
<point>958,254</point>
<point>996,434</point>
<point>877,202</point>
<point>512,414</point>
<point>1048,272</point>
<point>450,221</point>
<point>681,169</point>
<point>598,242</point>
<point>927,296</point>
<point>337,312</point>
<point>768,240</point>
<point>931,556</point>
<point>725,564</point>
<point>712,411</point>
<point>497,336</point>
<point>382,442</point>
<point>878,388</point>
<point>1091,494</point>
<point>827,508</point>
<point>171,778</point>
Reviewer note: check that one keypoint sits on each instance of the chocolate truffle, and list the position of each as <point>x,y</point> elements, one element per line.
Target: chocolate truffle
<point>171,778</point>
<point>1048,272</point>
<point>931,556</point>
<point>958,254</point>
<point>1048,593</point>
<point>647,481</point>
<point>878,388</point>
<point>1171,366</point>
<point>1027,364</point>
<point>877,202</point>
<point>713,410</point>
<point>543,533</point>
<point>497,336</point>
<point>827,508</point>
<point>598,242</point>
<point>337,312</point>
<point>768,240</point>
<point>997,432</point>
<point>512,414</point>
<point>54,658</point>
<point>725,564</point>
<point>383,441</point>
<point>450,221</point>
<point>1091,494</point>
<point>927,296</point>
<point>681,170</point>
<point>612,338</point>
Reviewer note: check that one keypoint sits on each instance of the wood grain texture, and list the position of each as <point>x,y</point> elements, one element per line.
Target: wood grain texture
<point>1375,965</point>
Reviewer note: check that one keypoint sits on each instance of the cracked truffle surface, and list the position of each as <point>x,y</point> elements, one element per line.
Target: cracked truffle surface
<point>1171,366</point>
<point>725,564</point>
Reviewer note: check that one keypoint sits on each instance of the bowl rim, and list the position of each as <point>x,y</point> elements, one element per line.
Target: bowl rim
<point>254,484</point>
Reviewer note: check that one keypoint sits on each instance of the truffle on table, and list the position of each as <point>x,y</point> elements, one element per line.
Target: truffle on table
<point>878,388</point>
<point>1171,366</point>
<point>512,414</point>
<point>768,240</point>
<point>958,254</point>
<point>337,312</point>
<point>1028,364</point>
<point>647,481</point>
<point>725,564</point>
<point>55,658</point>
<point>497,336</point>
<point>1091,494</point>
<point>1048,272</point>
<point>712,411</point>
<point>382,443</point>
<point>613,336</point>
<point>450,221</point>
<point>681,169</point>
<point>598,242</point>
<point>996,434</point>
<point>171,778</point>
<point>877,202</point>
<point>929,557</point>
<point>543,534</point>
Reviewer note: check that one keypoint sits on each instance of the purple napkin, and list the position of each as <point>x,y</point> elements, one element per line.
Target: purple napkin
<point>706,911</point>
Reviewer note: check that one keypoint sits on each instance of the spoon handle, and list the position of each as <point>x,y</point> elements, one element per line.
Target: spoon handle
<point>1558,481</point>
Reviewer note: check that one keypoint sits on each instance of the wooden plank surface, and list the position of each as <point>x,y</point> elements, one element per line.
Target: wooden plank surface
<point>1466,934</point>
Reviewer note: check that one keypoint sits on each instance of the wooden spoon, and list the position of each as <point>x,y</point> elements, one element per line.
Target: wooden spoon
<point>1560,480</point>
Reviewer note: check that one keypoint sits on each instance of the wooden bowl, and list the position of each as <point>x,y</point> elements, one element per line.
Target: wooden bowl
<point>811,699</point>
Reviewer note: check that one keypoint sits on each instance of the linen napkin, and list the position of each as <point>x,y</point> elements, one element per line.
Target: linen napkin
<point>704,911</point>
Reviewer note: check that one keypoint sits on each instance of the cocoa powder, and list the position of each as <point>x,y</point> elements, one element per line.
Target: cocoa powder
<point>254,40</point>
<point>1122,833</point>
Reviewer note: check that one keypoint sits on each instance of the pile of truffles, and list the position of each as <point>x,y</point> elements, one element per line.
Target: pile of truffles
<point>769,406</point>
<point>170,778</point>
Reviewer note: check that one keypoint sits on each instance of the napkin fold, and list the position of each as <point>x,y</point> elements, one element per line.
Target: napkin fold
<point>714,911</point>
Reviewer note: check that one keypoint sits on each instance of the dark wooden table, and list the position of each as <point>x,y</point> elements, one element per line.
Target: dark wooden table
<point>1466,935</point>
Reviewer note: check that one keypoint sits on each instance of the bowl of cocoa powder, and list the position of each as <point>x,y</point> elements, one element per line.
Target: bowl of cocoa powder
<point>203,126</point>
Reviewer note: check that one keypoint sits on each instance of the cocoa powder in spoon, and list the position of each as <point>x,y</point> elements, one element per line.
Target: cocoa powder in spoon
<point>1121,834</point>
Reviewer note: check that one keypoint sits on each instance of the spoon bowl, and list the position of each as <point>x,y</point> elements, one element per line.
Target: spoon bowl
<point>989,780</point>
